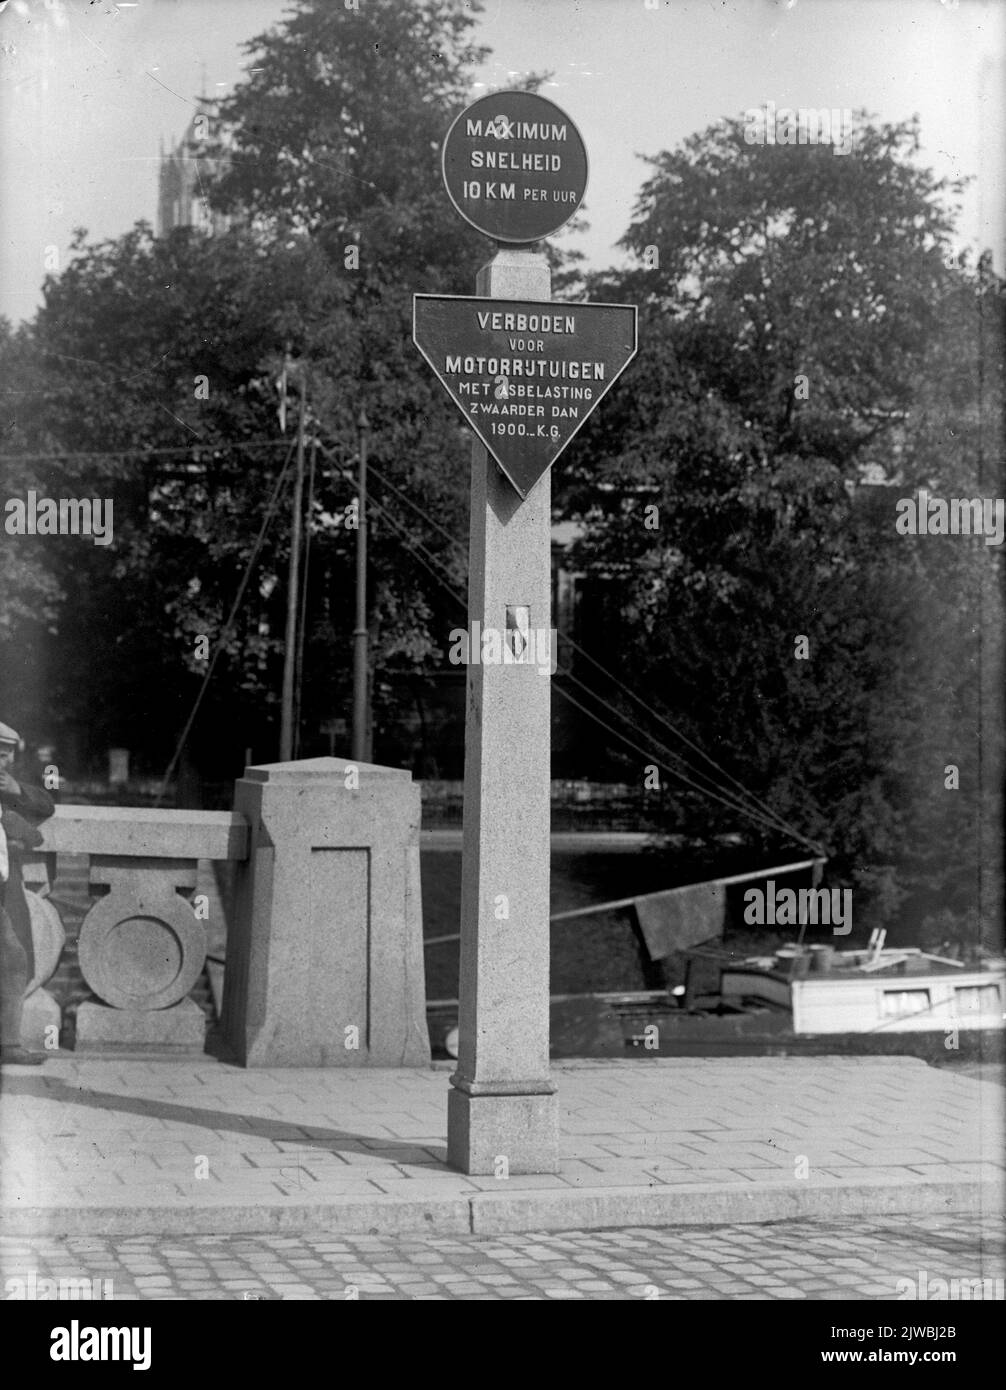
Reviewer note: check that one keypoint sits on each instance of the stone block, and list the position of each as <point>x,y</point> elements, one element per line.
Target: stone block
<point>180,1029</point>
<point>146,832</point>
<point>325,956</point>
<point>522,1128</point>
<point>41,1012</point>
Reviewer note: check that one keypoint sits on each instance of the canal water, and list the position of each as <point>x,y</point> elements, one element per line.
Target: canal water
<point>589,954</point>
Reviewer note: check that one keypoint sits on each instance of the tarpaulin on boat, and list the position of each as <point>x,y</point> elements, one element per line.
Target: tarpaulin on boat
<point>681,917</point>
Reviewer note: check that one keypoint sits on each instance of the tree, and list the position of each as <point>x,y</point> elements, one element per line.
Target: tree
<point>30,593</point>
<point>801,331</point>
<point>327,169</point>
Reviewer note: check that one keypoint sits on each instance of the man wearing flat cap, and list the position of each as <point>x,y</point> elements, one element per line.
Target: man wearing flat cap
<point>21,809</point>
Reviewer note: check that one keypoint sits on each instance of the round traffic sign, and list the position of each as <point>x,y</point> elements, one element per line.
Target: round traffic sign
<point>515,166</point>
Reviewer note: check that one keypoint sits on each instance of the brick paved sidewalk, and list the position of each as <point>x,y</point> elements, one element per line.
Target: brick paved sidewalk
<point>120,1147</point>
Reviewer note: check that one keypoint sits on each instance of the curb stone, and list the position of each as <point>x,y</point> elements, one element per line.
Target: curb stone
<point>686,1204</point>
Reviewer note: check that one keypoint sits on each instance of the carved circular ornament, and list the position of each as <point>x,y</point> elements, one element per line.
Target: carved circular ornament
<point>48,937</point>
<point>141,950</point>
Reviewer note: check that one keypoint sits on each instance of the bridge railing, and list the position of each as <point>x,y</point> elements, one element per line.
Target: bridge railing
<point>323,939</point>
<point>137,921</point>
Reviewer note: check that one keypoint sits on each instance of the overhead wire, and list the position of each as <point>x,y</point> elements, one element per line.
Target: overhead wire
<point>747,804</point>
<point>228,625</point>
<point>415,546</point>
<point>302,615</point>
<point>731,803</point>
<point>767,818</point>
<point>764,814</point>
<point>204,446</point>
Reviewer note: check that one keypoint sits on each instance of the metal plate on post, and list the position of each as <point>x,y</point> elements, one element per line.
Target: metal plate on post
<point>515,166</point>
<point>524,374</point>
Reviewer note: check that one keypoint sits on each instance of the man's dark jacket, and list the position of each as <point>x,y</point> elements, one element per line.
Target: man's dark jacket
<point>21,814</point>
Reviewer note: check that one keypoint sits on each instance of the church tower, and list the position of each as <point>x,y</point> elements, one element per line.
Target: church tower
<point>185,173</point>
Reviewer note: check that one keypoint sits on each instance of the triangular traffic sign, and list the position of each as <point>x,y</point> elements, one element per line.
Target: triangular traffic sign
<point>525,374</point>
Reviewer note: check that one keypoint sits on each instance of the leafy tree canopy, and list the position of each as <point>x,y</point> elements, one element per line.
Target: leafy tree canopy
<point>806,327</point>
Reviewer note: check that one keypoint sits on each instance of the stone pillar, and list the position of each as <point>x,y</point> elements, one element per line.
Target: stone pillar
<point>325,955</point>
<point>502,1104</point>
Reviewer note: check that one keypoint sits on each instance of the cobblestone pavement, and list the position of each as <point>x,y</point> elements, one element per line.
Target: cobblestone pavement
<point>796,1260</point>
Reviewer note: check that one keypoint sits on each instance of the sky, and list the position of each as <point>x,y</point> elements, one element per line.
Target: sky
<point>89,88</point>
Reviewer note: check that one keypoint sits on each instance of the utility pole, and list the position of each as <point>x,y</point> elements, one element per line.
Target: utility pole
<point>293,575</point>
<point>298,688</point>
<point>360,701</point>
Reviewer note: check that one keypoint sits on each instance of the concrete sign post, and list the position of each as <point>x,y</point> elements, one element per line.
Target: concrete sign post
<point>502,1112</point>
<point>525,372</point>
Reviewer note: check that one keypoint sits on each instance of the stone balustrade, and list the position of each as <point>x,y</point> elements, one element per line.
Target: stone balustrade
<point>324,958</point>
<point>142,944</point>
